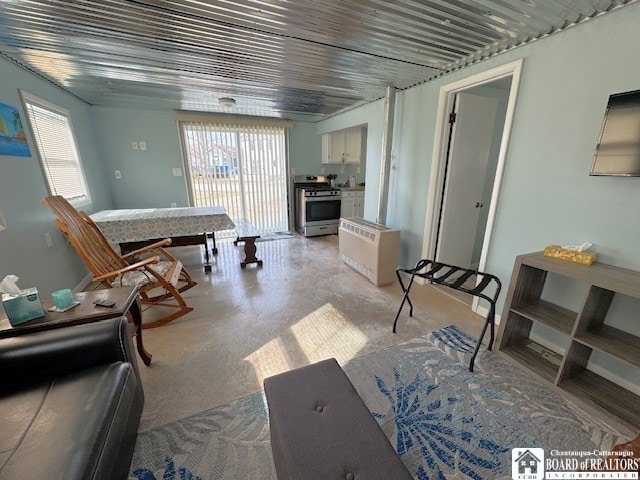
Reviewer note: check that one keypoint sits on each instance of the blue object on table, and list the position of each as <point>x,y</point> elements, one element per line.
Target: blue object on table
<point>24,307</point>
<point>62,298</point>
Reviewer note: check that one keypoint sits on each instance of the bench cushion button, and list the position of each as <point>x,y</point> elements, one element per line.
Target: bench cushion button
<point>349,476</point>
<point>319,408</point>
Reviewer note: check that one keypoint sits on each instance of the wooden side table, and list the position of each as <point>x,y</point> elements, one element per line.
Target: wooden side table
<point>126,303</point>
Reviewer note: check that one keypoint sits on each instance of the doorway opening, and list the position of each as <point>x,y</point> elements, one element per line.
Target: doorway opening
<point>472,134</point>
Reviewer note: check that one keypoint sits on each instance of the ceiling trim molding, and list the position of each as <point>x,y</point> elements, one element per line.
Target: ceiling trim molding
<point>204,117</point>
<point>35,73</point>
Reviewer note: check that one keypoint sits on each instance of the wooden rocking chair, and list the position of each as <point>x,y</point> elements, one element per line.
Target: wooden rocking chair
<point>149,268</point>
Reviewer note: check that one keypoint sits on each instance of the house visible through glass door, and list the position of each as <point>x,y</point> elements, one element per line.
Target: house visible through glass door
<point>241,167</point>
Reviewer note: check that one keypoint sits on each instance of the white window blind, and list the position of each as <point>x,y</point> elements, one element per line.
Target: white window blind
<point>55,142</point>
<point>241,167</point>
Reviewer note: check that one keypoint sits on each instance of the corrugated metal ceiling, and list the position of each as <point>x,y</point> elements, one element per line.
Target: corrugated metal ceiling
<point>291,58</point>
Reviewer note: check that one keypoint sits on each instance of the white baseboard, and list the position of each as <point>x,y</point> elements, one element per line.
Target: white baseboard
<point>609,375</point>
<point>83,283</point>
<point>480,310</point>
<point>420,280</point>
<point>546,343</point>
<point>597,369</point>
<point>484,311</point>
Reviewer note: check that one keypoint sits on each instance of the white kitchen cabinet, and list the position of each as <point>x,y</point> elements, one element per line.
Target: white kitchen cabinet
<point>342,146</point>
<point>352,145</point>
<point>352,203</point>
<point>332,144</point>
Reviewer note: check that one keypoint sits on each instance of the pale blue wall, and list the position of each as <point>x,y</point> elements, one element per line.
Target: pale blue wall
<point>23,250</point>
<point>305,148</point>
<point>147,179</point>
<point>547,195</point>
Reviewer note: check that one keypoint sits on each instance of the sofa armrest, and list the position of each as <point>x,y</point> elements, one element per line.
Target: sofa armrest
<point>28,358</point>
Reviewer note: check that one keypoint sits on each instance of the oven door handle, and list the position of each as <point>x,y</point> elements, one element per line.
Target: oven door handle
<point>323,199</point>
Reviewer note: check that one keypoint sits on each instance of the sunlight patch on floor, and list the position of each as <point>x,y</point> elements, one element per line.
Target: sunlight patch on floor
<point>324,333</point>
<point>268,360</point>
<point>327,333</point>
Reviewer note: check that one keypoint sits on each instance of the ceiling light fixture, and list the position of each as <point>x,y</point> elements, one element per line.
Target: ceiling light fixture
<point>227,101</point>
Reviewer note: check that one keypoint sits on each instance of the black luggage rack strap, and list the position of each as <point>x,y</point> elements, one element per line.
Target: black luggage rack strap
<point>454,277</point>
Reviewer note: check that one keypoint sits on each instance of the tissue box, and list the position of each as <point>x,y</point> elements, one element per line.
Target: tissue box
<point>24,307</point>
<point>583,258</point>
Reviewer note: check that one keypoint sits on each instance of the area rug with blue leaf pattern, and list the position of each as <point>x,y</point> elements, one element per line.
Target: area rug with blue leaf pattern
<point>432,409</point>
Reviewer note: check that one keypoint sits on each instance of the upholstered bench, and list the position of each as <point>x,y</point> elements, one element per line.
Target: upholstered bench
<point>321,429</point>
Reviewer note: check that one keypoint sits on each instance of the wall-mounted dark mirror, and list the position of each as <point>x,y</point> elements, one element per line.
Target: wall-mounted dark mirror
<point>618,150</point>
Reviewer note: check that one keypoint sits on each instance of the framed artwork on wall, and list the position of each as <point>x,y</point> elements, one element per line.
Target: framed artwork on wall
<point>13,141</point>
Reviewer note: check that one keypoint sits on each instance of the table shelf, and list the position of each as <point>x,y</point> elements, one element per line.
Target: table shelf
<point>594,389</point>
<point>526,356</point>
<point>547,313</point>
<point>612,341</point>
<point>585,330</point>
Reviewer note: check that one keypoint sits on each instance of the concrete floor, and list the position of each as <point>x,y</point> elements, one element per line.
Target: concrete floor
<point>303,306</point>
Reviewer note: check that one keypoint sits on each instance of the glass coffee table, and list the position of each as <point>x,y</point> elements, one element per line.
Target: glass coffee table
<point>126,300</point>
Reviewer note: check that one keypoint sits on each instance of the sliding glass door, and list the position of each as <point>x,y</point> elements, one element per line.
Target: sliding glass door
<point>241,167</point>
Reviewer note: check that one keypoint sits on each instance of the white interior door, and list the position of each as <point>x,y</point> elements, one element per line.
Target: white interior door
<point>468,159</point>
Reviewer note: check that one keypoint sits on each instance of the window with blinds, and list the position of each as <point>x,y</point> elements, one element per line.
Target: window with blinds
<point>241,167</point>
<point>55,142</point>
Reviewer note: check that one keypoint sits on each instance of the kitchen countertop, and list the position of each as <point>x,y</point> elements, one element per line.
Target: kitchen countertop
<point>357,188</point>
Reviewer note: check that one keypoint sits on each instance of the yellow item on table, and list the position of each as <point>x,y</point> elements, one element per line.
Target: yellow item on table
<point>556,251</point>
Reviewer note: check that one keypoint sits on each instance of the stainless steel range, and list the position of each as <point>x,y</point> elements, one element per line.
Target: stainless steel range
<point>317,207</point>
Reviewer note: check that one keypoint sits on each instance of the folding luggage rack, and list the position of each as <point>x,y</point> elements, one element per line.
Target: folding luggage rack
<point>455,278</point>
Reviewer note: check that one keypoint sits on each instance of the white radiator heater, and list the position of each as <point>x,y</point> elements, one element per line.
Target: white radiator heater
<point>369,248</point>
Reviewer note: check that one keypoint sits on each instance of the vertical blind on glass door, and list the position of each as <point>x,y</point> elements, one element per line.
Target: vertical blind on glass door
<point>241,167</point>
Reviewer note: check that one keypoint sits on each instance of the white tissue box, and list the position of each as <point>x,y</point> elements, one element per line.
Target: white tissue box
<point>24,307</point>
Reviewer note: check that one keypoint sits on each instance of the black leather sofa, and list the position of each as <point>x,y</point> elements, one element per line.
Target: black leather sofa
<point>70,403</point>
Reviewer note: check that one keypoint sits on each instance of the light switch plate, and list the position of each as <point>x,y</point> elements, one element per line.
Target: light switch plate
<point>118,174</point>
<point>177,172</point>
<point>3,224</point>
<point>134,145</point>
<point>143,145</point>
<point>174,205</point>
<point>48,240</point>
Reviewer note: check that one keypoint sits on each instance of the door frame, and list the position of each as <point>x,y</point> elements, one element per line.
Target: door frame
<point>439,155</point>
